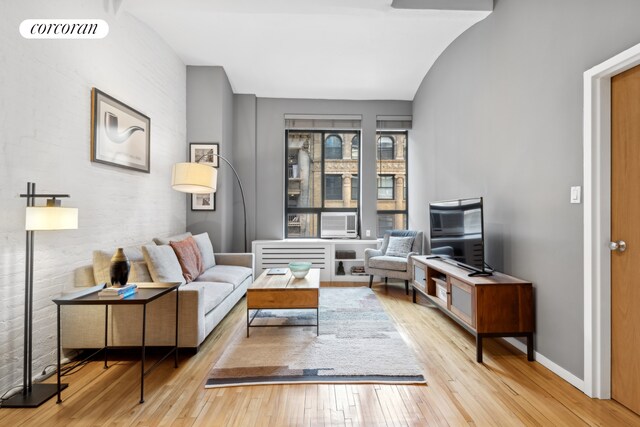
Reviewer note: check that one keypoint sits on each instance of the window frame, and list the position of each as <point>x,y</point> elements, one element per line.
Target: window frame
<point>340,178</point>
<point>324,147</point>
<point>317,210</point>
<point>393,185</point>
<point>380,133</point>
<point>393,146</point>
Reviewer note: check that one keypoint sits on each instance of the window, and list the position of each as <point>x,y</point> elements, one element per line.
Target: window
<point>333,187</point>
<point>315,183</point>
<point>355,147</point>
<point>392,181</point>
<point>385,187</point>
<point>385,223</point>
<point>333,147</point>
<point>355,187</point>
<point>386,145</point>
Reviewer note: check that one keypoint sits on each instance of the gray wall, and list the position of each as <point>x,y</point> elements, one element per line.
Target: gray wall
<point>500,115</point>
<point>210,119</point>
<point>270,157</point>
<point>244,154</point>
<point>45,116</point>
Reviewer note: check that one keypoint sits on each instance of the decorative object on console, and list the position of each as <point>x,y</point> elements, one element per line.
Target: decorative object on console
<point>119,268</point>
<point>299,269</point>
<point>340,271</point>
<point>120,135</point>
<point>50,217</point>
<point>199,178</point>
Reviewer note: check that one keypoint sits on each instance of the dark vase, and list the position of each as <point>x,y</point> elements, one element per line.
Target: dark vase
<point>120,267</point>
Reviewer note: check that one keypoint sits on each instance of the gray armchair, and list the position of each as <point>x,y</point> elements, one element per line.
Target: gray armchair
<point>379,263</point>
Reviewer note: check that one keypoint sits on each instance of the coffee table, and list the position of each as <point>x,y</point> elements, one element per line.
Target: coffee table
<point>283,292</point>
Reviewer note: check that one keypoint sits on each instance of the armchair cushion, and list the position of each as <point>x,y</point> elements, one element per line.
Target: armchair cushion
<point>399,246</point>
<point>386,262</point>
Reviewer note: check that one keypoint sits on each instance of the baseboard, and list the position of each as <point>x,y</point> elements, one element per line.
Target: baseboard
<point>550,365</point>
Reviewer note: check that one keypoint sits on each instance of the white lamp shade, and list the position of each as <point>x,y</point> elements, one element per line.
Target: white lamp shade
<point>194,178</point>
<point>51,218</point>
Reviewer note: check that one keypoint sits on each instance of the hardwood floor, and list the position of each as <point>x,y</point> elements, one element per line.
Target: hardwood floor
<point>505,390</point>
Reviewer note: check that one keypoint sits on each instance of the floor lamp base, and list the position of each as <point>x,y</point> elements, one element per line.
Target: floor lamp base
<point>40,393</point>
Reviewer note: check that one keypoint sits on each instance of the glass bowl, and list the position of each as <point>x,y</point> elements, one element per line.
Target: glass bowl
<point>299,269</point>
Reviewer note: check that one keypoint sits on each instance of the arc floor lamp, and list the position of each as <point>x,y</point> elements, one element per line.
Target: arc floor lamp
<point>197,178</point>
<point>50,217</point>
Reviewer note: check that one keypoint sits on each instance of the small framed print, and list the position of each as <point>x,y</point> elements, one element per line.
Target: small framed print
<point>205,153</point>
<point>119,134</point>
<point>203,202</point>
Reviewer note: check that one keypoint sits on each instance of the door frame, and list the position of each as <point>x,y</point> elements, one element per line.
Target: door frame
<point>597,220</point>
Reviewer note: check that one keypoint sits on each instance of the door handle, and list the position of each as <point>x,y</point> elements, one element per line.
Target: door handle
<point>619,246</point>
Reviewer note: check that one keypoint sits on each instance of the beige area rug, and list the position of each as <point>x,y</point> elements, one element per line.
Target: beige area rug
<point>358,343</point>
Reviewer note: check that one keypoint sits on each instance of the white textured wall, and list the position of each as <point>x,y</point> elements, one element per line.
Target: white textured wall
<point>45,88</point>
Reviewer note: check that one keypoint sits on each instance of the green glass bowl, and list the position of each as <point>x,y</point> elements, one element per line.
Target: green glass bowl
<point>299,269</point>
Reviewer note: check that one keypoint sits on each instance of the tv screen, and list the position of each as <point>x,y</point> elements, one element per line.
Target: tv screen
<point>457,232</point>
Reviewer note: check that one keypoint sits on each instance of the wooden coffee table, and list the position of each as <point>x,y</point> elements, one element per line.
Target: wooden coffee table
<point>283,292</point>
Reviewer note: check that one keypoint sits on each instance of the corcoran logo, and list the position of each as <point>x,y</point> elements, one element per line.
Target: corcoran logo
<point>64,29</point>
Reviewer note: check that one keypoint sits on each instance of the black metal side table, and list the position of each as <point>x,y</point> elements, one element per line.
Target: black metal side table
<point>147,292</point>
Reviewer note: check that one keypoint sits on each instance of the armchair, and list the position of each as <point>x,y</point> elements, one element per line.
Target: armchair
<point>379,262</point>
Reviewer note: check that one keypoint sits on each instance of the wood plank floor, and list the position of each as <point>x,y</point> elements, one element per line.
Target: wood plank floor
<point>505,390</point>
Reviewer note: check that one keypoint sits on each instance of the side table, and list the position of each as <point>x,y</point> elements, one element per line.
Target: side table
<point>147,292</point>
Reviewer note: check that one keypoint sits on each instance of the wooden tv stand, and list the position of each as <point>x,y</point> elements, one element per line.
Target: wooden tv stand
<point>494,306</point>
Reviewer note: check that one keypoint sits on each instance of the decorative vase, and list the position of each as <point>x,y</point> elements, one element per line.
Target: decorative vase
<point>120,267</point>
<point>340,269</point>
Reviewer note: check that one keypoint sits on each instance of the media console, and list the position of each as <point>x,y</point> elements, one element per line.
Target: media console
<point>495,306</point>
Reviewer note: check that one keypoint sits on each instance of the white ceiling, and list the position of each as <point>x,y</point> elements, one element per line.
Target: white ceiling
<point>329,49</point>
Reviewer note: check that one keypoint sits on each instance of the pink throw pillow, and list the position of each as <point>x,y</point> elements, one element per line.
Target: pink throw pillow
<point>189,258</point>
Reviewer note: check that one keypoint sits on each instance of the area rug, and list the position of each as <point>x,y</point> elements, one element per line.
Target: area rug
<point>358,343</point>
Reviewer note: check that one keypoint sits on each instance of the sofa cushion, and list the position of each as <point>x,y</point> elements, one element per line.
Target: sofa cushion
<point>206,250</point>
<point>189,258</point>
<point>163,263</point>
<point>225,273</point>
<point>399,246</point>
<point>102,262</point>
<point>215,293</point>
<point>166,240</point>
<point>386,262</point>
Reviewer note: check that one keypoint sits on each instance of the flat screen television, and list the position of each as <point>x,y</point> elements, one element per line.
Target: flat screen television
<point>457,233</point>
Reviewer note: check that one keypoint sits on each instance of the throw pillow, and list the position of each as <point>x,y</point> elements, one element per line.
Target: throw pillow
<point>189,258</point>
<point>163,263</point>
<point>399,246</point>
<point>206,250</point>
<point>166,240</point>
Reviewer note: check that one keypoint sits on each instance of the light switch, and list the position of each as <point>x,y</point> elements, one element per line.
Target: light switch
<point>368,233</point>
<point>575,194</point>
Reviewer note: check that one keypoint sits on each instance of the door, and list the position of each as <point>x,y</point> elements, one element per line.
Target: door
<point>625,226</point>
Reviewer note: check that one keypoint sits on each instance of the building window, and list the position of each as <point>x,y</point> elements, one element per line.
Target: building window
<point>355,147</point>
<point>386,145</point>
<point>385,187</point>
<point>392,204</point>
<point>385,223</point>
<point>333,147</point>
<point>355,187</point>
<point>314,184</point>
<point>333,187</point>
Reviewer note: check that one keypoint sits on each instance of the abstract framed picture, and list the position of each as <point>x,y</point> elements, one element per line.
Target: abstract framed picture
<point>120,135</point>
<point>203,202</point>
<point>205,153</point>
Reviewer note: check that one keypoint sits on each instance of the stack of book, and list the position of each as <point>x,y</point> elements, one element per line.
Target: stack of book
<point>358,270</point>
<point>119,293</point>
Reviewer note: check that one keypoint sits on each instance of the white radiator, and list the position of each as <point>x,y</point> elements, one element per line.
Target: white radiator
<point>278,255</point>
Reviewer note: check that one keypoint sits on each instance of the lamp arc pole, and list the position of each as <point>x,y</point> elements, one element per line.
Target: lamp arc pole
<point>244,205</point>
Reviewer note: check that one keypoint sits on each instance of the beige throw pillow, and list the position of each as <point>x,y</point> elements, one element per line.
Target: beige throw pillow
<point>163,263</point>
<point>206,250</point>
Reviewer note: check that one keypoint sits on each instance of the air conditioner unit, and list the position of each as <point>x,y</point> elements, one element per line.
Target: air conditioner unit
<point>339,225</point>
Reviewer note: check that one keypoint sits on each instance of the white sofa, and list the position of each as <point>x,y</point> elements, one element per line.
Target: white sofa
<point>203,304</point>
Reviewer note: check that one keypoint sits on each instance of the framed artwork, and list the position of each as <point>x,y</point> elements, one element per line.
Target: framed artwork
<point>203,202</point>
<point>120,135</point>
<point>205,153</point>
